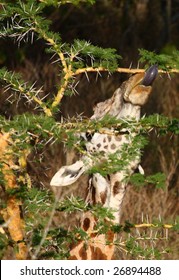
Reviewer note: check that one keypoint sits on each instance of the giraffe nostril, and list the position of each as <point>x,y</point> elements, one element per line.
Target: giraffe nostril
<point>150,75</point>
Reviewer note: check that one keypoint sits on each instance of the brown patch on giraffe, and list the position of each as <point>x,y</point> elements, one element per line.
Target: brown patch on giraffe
<point>92,235</point>
<point>99,145</point>
<point>97,254</point>
<point>110,237</point>
<point>116,187</point>
<point>86,224</point>
<point>118,138</point>
<point>103,196</point>
<point>113,146</point>
<point>109,138</point>
<point>83,253</point>
<point>104,140</point>
<point>75,245</point>
<point>72,258</point>
<point>106,147</point>
<point>93,194</point>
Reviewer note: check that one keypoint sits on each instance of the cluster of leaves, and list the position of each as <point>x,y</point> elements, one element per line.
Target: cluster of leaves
<point>56,244</point>
<point>138,251</point>
<point>98,57</point>
<point>140,180</point>
<point>27,129</point>
<point>165,61</point>
<point>26,20</point>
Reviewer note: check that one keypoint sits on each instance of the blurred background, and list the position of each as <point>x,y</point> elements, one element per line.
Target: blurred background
<point>126,25</point>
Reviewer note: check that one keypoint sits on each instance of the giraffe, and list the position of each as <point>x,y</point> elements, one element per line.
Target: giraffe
<point>107,190</point>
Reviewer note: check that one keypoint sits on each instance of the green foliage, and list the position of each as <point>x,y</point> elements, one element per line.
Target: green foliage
<point>38,201</point>
<point>164,61</point>
<point>42,129</point>
<point>139,252</point>
<point>99,57</point>
<point>28,19</point>
<point>139,180</point>
<point>72,204</point>
<point>3,243</point>
<point>37,235</point>
<point>176,226</point>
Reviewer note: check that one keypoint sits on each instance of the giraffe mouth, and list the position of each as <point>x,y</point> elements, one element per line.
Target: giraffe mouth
<point>147,78</point>
<point>144,79</point>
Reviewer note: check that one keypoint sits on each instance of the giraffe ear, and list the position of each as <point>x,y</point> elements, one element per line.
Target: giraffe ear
<point>68,174</point>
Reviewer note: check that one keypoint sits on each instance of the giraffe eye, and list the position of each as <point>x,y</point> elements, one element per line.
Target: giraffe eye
<point>89,136</point>
<point>150,75</point>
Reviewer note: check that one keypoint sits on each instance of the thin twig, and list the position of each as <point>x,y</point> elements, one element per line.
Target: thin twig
<point>120,70</point>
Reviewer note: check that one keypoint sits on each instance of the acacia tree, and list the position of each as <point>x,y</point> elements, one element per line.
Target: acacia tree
<point>22,134</point>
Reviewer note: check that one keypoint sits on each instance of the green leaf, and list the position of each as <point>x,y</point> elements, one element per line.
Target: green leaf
<point>164,61</point>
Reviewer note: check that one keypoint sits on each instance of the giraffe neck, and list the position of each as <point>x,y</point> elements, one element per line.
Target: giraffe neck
<point>108,191</point>
<point>108,194</point>
<point>97,246</point>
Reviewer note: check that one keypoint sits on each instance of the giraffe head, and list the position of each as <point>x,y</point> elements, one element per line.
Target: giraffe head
<point>125,103</point>
<point>138,88</point>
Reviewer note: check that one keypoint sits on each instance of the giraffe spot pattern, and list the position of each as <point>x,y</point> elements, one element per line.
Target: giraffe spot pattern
<point>103,196</point>
<point>110,236</point>
<point>73,258</point>
<point>86,224</point>
<point>113,146</point>
<point>105,143</point>
<point>116,188</point>
<point>83,253</point>
<point>97,254</point>
<point>118,138</point>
